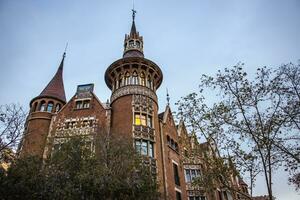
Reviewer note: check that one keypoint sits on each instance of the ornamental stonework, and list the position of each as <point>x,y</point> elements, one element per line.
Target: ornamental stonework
<point>133,89</point>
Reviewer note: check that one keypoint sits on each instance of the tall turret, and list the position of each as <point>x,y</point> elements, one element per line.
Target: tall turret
<point>42,109</point>
<point>134,80</point>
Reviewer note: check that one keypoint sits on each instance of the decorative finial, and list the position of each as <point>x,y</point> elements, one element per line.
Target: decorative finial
<point>65,49</point>
<point>133,13</point>
<point>168,98</point>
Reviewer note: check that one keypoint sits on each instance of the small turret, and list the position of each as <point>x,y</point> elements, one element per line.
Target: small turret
<point>133,43</point>
<point>42,109</point>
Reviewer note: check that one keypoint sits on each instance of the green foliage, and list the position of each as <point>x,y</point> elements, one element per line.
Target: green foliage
<point>112,171</point>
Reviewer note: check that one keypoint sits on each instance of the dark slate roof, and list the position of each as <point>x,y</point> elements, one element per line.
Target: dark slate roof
<point>55,87</point>
<point>133,29</point>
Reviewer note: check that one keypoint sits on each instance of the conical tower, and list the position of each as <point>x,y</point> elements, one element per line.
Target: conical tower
<point>42,109</point>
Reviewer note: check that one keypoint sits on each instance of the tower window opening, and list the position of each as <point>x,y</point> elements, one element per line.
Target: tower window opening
<point>131,43</point>
<point>57,108</point>
<point>120,81</point>
<point>43,106</point>
<point>50,107</point>
<point>34,107</point>
<point>149,82</point>
<point>138,44</point>
<point>127,78</point>
<point>143,81</point>
<point>135,80</point>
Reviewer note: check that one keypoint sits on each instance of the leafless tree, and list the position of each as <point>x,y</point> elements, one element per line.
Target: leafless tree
<point>12,120</point>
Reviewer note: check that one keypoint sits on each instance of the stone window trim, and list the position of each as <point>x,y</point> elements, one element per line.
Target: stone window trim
<point>83,103</point>
<point>172,144</point>
<point>145,147</point>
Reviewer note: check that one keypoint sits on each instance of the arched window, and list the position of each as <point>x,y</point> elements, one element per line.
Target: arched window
<point>34,107</point>
<point>135,80</point>
<point>50,106</point>
<point>138,44</point>
<point>143,81</point>
<point>57,108</point>
<point>42,106</point>
<point>120,80</point>
<point>131,43</point>
<point>149,82</point>
<point>127,78</point>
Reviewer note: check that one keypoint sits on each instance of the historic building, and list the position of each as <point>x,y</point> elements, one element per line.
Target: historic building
<point>132,112</point>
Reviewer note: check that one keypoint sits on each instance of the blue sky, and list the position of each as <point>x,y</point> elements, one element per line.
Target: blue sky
<point>185,38</point>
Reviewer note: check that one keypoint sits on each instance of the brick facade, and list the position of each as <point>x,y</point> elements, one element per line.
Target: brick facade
<point>132,112</point>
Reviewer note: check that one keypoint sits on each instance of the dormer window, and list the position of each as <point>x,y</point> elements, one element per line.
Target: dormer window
<point>82,104</point>
<point>86,104</point>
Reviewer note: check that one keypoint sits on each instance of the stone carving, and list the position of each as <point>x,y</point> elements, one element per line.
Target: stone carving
<point>133,89</point>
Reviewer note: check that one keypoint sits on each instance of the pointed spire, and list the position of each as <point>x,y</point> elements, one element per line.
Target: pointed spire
<point>133,43</point>
<point>55,87</point>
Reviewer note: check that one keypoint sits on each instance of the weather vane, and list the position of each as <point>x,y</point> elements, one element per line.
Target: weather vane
<point>133,11</point>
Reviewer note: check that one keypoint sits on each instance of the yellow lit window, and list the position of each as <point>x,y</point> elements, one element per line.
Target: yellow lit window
<point>137,119</point>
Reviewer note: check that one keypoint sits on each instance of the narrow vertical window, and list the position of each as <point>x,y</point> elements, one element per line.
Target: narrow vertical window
<point>137,119</point>
<point>78,104</point>
<point>187,175</point>
<point>138,146</point>
<point>178,195</point>
<point>176,174</point>
<point>149,82</point>
<point>143,120</point>
<point>144,148</point>
<point>135,80</point>
<point>127,78</point>
<point>149,121</point>
<point>43,106</point>
<point>151,150</point>
<point>50,107</point>
<point>143,81</point>
<point>120,82</point>
<point>86,104</point>
<point>57,108</point>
